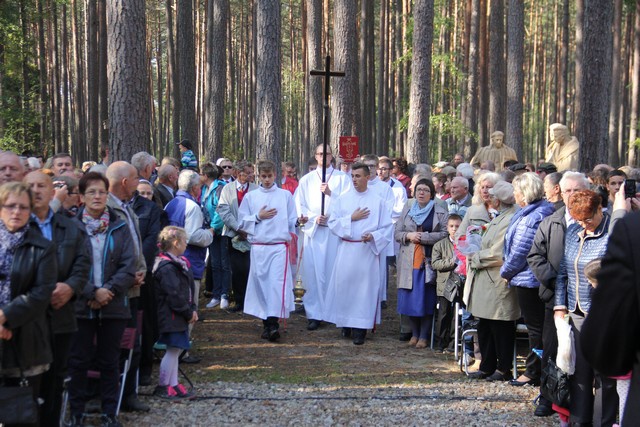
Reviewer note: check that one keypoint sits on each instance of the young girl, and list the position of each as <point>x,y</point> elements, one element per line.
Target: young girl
<point>176,309</point>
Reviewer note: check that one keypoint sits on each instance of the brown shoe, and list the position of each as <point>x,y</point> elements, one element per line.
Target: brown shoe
<point>413,341</point>
<point>421,343</point>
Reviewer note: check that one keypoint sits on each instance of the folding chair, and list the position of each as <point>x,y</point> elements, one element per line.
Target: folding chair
<point>459,341</point>
<point>521,329</point>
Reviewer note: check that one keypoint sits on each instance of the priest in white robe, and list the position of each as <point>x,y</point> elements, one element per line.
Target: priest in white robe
<point>319,245</point>
<point>359,218</point>
<point>268,216</point>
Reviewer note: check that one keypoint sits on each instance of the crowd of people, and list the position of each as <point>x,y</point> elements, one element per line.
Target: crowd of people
<point>86,253</point>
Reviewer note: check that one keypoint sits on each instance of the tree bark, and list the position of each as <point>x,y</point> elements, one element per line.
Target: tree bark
<point>593,131</point>
<point>420,90</point>
<point>496,67</point>
<point>186,57</point>
<point>217,63</point>
<point>635,94</point>
<point>268,84</point>
<point>345,108</point>
<point>616,77</point>
<point>314,84</point>
<point>515,76</point>
<point>127,69</point>
<point>471,116</point>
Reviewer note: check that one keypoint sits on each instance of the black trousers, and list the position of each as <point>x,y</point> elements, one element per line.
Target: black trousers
<point>36,383</point>
<point>240,264</point>
<point>581,387</point>
<point>496,338</point>
<point>532,309</point>
<point>107,334</point>
<point>149,324</point>
<point>549,339</point>
<point>444,327</point>
<point>53,380</point>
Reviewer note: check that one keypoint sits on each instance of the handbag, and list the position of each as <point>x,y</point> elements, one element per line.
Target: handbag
<point>453,287</point>
<point>554,384</point>
<point>17,405</point>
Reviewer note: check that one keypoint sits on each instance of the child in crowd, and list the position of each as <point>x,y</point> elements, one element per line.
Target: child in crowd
<point>447,260</point>
<point>269,217</point>
<point>176,308</point>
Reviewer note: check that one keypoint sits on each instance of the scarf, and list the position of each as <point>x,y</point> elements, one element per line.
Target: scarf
<point>178,260</point>
<point>8,243</point>
<point>419,215</point>
<point>96,226</point>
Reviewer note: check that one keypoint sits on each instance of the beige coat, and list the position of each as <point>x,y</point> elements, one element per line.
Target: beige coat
<point>406,225</point>
<point>476,215</point>
<point>486,293</point>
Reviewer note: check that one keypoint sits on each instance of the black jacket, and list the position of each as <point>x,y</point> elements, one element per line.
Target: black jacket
<point>610,336</point>
<point>118,272</point>
<point>547,252</point>
<point>161,195</point>
<point>174,288</point>
<point>74,263</point>
<point>33,278</point>
<point>151,220</point>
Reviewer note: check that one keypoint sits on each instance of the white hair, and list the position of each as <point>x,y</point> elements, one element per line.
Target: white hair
<point>531,187</point>
<point>466,170</point>
<point>141,160</point>
<point>187,180</point>
<point>578,177</point>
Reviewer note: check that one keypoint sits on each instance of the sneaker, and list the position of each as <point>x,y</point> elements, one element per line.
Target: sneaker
<point>165,392</point>
<point>214,302</point>
<point>224,302</point>
<point>109,421</point>
<point>182,392</point>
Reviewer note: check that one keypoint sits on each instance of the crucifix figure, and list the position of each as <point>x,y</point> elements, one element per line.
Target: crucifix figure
<point>327,74</point>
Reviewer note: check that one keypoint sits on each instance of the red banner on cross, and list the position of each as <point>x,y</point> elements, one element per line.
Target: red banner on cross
<point>349,148</point>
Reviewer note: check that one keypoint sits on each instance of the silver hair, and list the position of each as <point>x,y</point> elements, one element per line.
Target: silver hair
<point>187,180</point>
<point>578,177</point>
<point>491,177</point>
<point>531,187</point>
<point>141,160</point>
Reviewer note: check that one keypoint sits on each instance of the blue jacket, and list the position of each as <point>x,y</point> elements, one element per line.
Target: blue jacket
<point>518,241</point>
<point>210,201</point>
<point>572,288</point>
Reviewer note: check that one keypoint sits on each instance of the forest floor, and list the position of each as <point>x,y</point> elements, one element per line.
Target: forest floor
<point>319,378</point>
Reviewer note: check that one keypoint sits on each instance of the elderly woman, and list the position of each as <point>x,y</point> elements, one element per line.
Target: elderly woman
<point>487,295</point>
<point>145,189</point>
<point>528,191</point>
<point>421,224</point>
<point>102,307</point>
<point>586,240</point>
<point>27,277</point>
<point>480,212</point>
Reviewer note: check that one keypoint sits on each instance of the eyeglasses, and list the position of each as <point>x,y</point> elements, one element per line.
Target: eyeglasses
<point>226,167</point>
<point>320,154</point>
<point>423,190</point>
<point>383,169</point>
<point>95,193</point>
<point>587,220</point>
<point>16,207</point>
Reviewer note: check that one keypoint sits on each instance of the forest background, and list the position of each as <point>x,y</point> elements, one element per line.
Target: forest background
<point>424,78</point>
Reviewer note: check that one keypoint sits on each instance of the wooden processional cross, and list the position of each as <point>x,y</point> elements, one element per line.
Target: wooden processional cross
<point>327,74</point>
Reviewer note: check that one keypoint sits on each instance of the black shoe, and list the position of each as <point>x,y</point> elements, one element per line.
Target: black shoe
<point>265,333</point>
<point>133,404</point>
<point>499,376</point>
<point>383,305</point>
<point>274,335</point>
<point>313,324</point>
<point>235,309</point>
<point>477,375</point>
<point>544,410</point>
<point>517,383</point>
<point>405,336</point>
<point>190,359</point>
<point>346,332</point>
<point>109,421</point>
<point>358,336</point>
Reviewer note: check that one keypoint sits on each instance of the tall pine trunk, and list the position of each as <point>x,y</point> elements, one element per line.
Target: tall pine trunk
<point>216,57</point>
<point>515,76</point>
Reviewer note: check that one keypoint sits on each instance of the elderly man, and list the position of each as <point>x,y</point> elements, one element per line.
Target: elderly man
<point>496,151</point>
<point>227,169</point>
<point>460,199</point>
<point>165,187</point>
<point>74,263</point>
<point>235,240</point>
<point>11,168</point>
<point>544,259</point>
<point>563,148</point>
<point>60,163</point>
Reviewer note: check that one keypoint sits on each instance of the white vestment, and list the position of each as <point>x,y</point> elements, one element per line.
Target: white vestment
<point>353,297</point>
<point>319,245</point>
<point>384,191</point>
<point>270,285</point>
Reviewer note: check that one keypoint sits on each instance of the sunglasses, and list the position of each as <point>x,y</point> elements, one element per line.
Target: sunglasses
<point>226,167</point>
